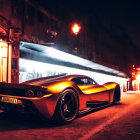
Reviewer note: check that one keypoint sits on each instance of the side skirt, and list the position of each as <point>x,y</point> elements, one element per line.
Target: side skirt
<point>94,106</point>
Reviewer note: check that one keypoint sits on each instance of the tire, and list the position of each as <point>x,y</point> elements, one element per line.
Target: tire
<point>117,95</point>
<point>67,107</point>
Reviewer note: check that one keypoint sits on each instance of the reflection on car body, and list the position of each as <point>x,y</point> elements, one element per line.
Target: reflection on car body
<point>59,97</point>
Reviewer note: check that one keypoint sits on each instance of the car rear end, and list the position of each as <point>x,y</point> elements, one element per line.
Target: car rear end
<point>19,97</point>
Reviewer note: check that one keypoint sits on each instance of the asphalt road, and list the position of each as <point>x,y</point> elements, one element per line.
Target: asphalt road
<point>107,123</point>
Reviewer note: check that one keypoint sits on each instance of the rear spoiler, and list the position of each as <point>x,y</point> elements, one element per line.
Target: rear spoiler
<point>20,86</point>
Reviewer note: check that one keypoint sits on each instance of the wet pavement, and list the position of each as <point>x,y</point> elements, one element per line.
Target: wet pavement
<point>115,122</point>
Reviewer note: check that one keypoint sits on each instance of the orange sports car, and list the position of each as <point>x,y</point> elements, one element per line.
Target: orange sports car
<point>59,97</point>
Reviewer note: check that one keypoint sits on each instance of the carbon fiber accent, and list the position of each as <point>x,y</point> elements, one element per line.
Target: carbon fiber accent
<point>12,91</point>
<point>19,86</point>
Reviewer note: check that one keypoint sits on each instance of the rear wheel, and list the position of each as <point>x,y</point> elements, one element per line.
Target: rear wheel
<point>67,107</point>
<point>117,95</point>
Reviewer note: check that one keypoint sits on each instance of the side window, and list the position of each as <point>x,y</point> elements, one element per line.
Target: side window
<point>87,81</point>
<point>83,81</point>
<point>77,81</point>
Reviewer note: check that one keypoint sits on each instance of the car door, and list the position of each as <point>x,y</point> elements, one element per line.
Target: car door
<point>92,91</point>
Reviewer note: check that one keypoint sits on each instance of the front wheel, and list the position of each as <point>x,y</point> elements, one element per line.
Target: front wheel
<point>117,95</point>
<point>67,107</point>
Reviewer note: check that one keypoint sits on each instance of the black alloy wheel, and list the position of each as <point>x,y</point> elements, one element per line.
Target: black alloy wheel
<point>117,94</point>
<point>67,107</point>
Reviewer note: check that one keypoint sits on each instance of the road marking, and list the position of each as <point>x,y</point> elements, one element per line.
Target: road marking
<point>103,125</point>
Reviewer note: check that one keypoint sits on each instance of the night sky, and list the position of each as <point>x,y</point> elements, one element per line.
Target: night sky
<point>125,13</point>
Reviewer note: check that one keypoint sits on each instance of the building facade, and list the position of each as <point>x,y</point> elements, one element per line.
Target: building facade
<point>23,20</point>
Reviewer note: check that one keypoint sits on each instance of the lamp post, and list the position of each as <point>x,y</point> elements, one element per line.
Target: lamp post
<point>75,28</point>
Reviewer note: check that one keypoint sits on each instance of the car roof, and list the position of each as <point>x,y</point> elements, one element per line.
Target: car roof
<point>69,77</point>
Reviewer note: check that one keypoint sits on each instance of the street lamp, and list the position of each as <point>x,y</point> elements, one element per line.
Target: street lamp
<point>138,78</point>
<point>76,28</point>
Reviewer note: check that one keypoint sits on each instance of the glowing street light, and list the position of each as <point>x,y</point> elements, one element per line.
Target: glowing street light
<point>138,77</point>
<point>76,28</point>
